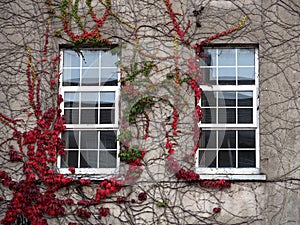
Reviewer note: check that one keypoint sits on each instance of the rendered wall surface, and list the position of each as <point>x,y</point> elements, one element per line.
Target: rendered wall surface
<point>142,30</point>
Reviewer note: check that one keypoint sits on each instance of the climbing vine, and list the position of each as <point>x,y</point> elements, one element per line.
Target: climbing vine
<point>36,195</point>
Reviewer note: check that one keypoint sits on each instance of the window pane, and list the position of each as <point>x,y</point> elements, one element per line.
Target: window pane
<point>107,99</point>
<point>209,76</point>
<point>90,77</point>
<point>227,76</point>
<point>88,159</point>
<point>245,57</point>
<point>71,99</point>
<point>208,139</point>
<point>226,115</point>
<point>71,59</point>
<point>226,57</point>
<point>209,115</point>
<point>71,77</point>
<point>207,158</point>
<point>89,140</point>
<point>246,76</point>
<point>245,115</point>
<point>109,77</point>
<point>108,159</point>
<point>226,139</point>
<point>89,116</point>
<point>72,116</point>
<point>71,159</point>
<point>90,59</point>
<point>227,98</point>
<point>246,159</point>
<point>209,57</point>
<point>246,138</point>
<point>107,116</point>
<point>108,59</point>
<point>227,158</point>
<point>89,99</point>
<point>245,98</point>
<point>71,139</point>
<point>208,98</point>
<point>108,140</point>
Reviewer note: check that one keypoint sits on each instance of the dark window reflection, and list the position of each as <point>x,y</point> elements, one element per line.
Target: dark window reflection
<point>245,115</point>
<point>227,98</point>
<point>227,139</point>
<point>108,159</point>
<point>227,158</point>
<point>246,159</point>
<point>209,115</point>
<point>245,98</point>
<point>208,99</point>
<point>107,116</point>
<point>246,138</point>
<point>108,140</point>
<point>71,139</point>
<point>88,159</point>
<point>71,159</point>
<point>227,115</point>
<point>208,139</point>
<point>72,116</point>
<point>89,116</point>
<point>207,158</point>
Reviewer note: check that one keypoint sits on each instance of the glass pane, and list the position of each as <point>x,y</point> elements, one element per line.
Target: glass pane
<point>227,98</point>
<point>107,116</point>
<point>227,158</point>
<point>226,76</point>
<point>90,59</point>
<point>209,115</point>
<point>71,139</point>
<point>208,139</point>
<point>107,99</point>
<point>71,77</point>
<point>226,139</point>
<point>246,138</point>
<point>71,159</point>
<point>108,159</point>
<point>89,140</point>
<point>209,57</point>
<point>207,158</point>
<point>209,76</point>
<point>89,99</point>
<point>72,116</point>
<point>90,77</point>
<point>246,159</point>
<point>108,59</point>
<point>226,57</point>
<point>108,140</point>
<point>89,116</point>
<point>226,115</point>
<point>245,98</point>
<point>71,99</point>
<point>246,76</point>
<point>208,98</point>
<point>245,57</point>
<point>71,59</point>
<point>109,77</point>
<point>88,159</point>
<point>245,115</point>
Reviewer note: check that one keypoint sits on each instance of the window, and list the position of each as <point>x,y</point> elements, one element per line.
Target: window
<point>90,90</point>
<point>230,140</point>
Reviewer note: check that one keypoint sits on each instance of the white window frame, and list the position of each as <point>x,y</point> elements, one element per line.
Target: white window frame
<point>234,173</point>
<point>92,172</point>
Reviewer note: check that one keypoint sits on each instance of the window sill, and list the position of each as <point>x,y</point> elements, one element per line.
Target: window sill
<point>92,174</point>
<point>245,177</point>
